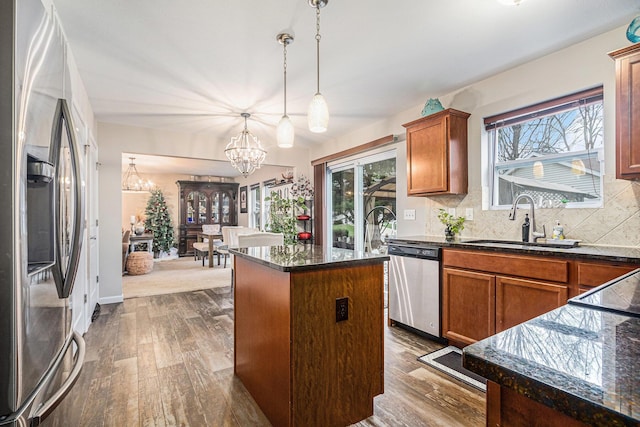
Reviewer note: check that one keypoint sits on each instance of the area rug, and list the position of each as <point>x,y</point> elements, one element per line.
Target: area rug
<point>449,361</point>
<point>176,275</point>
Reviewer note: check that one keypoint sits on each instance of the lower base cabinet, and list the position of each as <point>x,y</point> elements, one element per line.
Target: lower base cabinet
<point>468,308</point>
<point>485,292</point>
<point>519,300</point>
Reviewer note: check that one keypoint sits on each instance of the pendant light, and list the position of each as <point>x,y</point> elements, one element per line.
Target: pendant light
<point>318,114</point>
<point>285,131</point>
<point>244,151</point>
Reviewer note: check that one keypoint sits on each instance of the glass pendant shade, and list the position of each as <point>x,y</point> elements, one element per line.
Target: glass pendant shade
<point>286,133</point>
<point>245,152</point>
<point>318,114</point>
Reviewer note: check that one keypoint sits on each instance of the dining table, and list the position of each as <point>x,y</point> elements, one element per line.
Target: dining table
<point>210,237</point>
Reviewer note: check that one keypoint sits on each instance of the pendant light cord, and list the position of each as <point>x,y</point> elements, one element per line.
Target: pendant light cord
<point>318,48</point>
<point>285,76</point>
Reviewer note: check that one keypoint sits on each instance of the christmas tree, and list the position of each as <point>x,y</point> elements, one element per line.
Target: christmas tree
<point>159,222</point>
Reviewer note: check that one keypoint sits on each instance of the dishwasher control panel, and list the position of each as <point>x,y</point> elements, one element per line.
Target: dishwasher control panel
<point>415,251</point>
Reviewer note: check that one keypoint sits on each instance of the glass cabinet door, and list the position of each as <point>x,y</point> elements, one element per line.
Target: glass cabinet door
<point>202,208</point>
<point>215,208</point>
<point>226,206</point>
<point>191,208</point>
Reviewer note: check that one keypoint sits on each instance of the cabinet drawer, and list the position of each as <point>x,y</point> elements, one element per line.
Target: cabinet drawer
<point>554,270</point>
<point>597,274</point>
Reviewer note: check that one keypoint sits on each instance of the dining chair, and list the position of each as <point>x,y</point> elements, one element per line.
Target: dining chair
<point>230,235</point>
<point>260,239</point>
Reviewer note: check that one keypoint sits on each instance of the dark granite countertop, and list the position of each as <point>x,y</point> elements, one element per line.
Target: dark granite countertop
<point>586,252</point>
<point>306,257</point>
<point>581,361</point>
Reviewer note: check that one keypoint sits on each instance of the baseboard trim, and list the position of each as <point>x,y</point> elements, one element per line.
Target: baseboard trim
<point>111,300</point>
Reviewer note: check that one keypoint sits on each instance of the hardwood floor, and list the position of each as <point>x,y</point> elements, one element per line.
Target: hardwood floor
<point>168,361</point>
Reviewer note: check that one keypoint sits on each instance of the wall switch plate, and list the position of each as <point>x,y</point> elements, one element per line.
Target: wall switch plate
<point>410,214</point>
<point>469,214</point>
<point>452,211</point>
<point>342,309</point>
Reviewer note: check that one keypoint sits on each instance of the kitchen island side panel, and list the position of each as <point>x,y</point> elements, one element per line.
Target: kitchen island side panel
<point>337,365</point>
<point>262,337</point>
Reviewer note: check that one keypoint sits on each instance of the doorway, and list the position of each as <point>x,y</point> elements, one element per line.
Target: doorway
<point>362,202</point>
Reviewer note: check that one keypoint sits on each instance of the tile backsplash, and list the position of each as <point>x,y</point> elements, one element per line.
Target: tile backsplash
<point>617,223</point>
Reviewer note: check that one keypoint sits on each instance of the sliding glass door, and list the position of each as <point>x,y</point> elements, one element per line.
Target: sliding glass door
<point>362,202</point>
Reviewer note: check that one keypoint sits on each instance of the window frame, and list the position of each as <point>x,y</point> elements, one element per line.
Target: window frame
<point>531,112</point>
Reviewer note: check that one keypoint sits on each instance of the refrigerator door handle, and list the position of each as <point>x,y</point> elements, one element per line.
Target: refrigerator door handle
<point>65,275</point>
<point>51,404</point>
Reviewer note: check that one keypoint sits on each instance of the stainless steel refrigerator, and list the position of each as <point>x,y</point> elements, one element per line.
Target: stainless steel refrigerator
<point>41,216</point>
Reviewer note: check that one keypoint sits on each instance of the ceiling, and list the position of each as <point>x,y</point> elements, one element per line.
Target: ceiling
<point>195,66</point>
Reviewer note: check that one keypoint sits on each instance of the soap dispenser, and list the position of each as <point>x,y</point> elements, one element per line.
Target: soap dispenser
<point>525,228</point>
<point>558,231</point>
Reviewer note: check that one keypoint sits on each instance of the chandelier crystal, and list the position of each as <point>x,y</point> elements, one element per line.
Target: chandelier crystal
<point>285,131</point>
<point>131,180</point>
<point>244,151</point>
<point>318,113</point>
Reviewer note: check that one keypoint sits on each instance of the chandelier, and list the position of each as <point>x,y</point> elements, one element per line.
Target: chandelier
<point>244,151</point>
<point>131,180</point>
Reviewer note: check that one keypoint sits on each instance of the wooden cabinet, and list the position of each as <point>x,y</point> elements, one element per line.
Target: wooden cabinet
<point>437,154</point>
<point>468,305</point>
<point>204,203</point>
<point>488,292</point>
<point>627,112</point>
<point>591,274</point>
<point>519,300</point>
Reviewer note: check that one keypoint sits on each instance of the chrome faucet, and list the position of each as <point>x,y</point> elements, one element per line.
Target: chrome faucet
<point>512,216</point>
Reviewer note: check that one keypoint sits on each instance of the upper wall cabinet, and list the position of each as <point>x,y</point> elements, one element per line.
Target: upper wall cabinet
<point>627,112</point>
<point>437,154</point>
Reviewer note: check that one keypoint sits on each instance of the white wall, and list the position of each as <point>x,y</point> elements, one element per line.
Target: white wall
<point>116,139</point>
<point>578,67</point>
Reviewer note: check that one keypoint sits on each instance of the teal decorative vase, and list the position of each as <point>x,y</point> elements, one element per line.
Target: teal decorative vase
<point>433,105</point>
<point>632,31</point>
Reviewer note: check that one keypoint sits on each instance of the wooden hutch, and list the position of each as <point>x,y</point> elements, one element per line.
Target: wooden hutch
<point>204,203</point>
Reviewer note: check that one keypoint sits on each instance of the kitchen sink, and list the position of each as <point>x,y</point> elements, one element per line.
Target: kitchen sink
<point>564,244</point>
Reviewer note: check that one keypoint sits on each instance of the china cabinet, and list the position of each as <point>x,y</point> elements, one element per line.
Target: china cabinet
<point>204,203</point>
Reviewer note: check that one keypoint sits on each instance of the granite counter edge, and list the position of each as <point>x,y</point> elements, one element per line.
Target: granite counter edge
<point>551,396</point>
<point>314,266</point>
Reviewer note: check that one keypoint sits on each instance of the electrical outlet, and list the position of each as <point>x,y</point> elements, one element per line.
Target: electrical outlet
<point>342,309</point>
<point>410,214</point>
<point>469,214</point>
<point>452,211</point>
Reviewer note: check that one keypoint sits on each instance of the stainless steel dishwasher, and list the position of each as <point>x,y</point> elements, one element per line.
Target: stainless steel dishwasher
<point>414,286</point>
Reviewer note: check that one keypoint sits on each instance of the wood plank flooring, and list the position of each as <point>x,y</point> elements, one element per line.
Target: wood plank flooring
<point>168,361</point>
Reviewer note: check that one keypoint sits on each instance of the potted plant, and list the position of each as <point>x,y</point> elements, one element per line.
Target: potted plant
<point>453,224</point>
<point>281,216</point>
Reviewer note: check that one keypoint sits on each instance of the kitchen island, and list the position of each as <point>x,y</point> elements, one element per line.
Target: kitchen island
<point>573,366</point>
<point>308,332</point>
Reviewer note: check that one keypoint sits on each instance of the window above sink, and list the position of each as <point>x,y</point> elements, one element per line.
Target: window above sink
<point>552,151</point>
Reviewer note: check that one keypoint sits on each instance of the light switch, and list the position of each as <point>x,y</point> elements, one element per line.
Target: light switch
<point>410,214</point>
<point>469,214</point>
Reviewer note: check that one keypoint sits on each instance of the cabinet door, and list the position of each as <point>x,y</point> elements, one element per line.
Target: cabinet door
<point>468,305</point>
<point>627,112</point>
<point>215,208</point>
<point>202,208</point>
<point>191,207</point>
<point>427,165</point>
<point>519,300</point>
<point>591,275</point>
